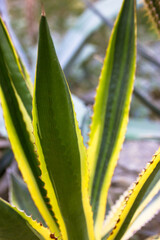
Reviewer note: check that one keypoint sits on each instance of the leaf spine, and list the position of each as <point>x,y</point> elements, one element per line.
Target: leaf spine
<point>153,7</point>
<point>133,186</point>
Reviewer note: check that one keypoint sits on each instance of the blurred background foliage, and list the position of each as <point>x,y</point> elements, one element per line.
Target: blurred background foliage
<point>84,73</point>
<point>60,14</point>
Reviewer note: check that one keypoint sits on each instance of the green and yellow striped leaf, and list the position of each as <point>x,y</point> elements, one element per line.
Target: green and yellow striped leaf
<point>148,213</point>
<point>134,198</point>
<point>16,103</point>
<point>15,225</point>
<point>16,70</point>
<point>117,208</point>
<point>111,109</point>
<point>20,197</point>
<point>113,215</point>
<point>60,147</point>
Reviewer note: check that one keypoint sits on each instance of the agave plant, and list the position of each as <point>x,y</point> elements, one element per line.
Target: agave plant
<point>68,182</point>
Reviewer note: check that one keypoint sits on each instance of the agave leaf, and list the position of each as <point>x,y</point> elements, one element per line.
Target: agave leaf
<point>21,198</point>
<point>135,196</point>
<point>151,193</point>
<point>15,99</point>
<point>117,208</point>
<point>16,43</point>
<point>144,217</point>
<point>15,225</point>
<point>149,207</point>
<point>115,212</point>
<point>81,31</point>
<point>111,109</point>
<point>113,215</point>
<point>60,147</point>
<point>17,71</point>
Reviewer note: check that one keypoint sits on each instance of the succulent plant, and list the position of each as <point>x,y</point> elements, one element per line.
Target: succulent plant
<point>68,182</point>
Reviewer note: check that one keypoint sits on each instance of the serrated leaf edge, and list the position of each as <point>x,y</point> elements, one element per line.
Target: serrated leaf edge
<point>43,231</point>
<point>133,228</point>
<point>141,178</point>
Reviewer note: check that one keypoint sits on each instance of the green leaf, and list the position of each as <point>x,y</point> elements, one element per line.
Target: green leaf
<point>149,212</point>
<point>60,147</point>
<point>15,99</point>
<point>81,31</point>
<point>113,215</point>
<point>21,198</point>
<point>17,72</point>
<point>135,196</point>
<point>117,208</point>
<point>15,225</point>
<point>111,109</point>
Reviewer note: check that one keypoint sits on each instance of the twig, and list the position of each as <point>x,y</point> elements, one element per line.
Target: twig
<point>146,102</point>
